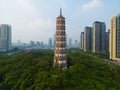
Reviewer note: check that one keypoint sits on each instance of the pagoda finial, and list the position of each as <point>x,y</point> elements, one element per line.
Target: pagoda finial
<point>60,11</point>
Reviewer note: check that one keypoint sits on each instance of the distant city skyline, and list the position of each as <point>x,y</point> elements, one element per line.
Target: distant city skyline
<point>34,20</point>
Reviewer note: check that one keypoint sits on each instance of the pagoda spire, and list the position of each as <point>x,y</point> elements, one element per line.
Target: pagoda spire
<point>60,11</point>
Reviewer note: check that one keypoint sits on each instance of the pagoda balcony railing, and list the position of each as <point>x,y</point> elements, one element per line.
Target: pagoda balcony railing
<point>60,52</point>
<point>60,33</point>
<point>60,58</point>
<point>60,39</point>
<point>60,28</point>
<point>60,42</point>
<point>60,45</point>
<point>60,25</point>
<point>60,21</point>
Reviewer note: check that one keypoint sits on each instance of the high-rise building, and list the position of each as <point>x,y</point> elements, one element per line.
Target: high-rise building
<point>50,45</point>
<point>42,45</point>
<point>82,40</point>
<point>70,42</point>
<point>5,37</point>
<point>38,45</point>
<point>115,38</point>
<point>76,44</point>
<point>88,39</point>
<point>32,43</point>
<point>67,41</point>
<point>107,40</point>
<point>54,40</point>
<point>60,56</point>
<point>98,37</point>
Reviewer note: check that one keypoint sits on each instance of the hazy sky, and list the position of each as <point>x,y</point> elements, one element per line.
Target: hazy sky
<point>36,19</point>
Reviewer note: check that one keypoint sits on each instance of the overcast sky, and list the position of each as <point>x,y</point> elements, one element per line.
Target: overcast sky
<point>36,19</point>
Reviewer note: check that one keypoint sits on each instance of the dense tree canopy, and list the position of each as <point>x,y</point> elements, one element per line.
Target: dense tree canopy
<point>34,71</point>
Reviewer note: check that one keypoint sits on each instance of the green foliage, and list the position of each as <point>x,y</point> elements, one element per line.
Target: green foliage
<point>34,71</point>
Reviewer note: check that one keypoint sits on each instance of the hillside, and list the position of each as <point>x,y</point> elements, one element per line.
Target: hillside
<point>33,71</point>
